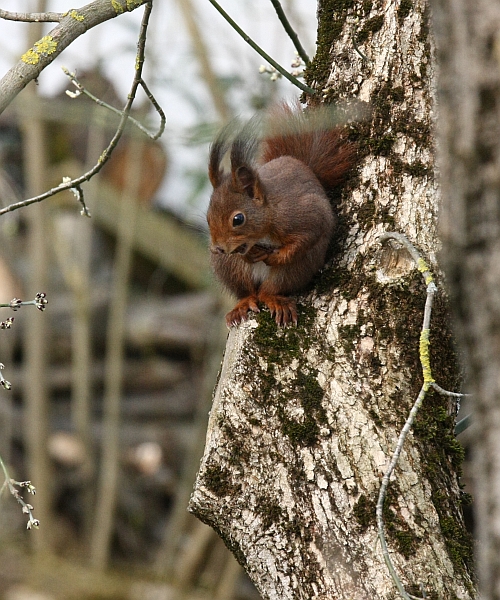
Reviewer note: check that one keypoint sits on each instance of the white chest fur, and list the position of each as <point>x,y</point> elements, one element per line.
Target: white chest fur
<point>260,272</point>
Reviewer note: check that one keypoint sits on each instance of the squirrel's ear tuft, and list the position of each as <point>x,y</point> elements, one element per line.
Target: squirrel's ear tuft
<point>246,144</point>
<point>214,169</point>
<point>218,149</point>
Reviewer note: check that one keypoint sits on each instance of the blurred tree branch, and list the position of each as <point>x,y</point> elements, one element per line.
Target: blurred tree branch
<point>203,56</point>
<point>36,333</point>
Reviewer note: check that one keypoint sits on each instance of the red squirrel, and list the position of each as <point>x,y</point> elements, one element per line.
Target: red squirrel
<point>270,219</point>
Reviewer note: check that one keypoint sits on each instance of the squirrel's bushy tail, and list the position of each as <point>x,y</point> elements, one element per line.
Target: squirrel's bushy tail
<point>313,137</point>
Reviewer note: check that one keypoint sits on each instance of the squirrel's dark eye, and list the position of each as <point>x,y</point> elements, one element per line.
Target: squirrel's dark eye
<point>238,219</point>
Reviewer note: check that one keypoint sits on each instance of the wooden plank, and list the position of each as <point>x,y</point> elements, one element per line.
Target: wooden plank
<point>159,238</point>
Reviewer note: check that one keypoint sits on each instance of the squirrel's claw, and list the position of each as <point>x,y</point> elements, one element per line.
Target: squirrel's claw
<point>240,311</point>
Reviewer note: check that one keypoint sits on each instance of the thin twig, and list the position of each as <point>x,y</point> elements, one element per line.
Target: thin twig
<point>159,110</point>
<point>78,191</point>
<point>354,22</point>
<point>444,392</point>
<point>44,17</point>
<point>4,469</point>
<point>428,382</point>
<point>27,485</point>
<point>3,382</point>
<point>40,302</point>
<point>431,289</point>
<point>83,90</point>
<point>291,32</point>
<point>403,240</point>
<point>259,50</point>
<point>125,115</point>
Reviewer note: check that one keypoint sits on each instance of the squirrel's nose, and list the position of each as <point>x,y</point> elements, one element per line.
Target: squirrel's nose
<point>217,250</point>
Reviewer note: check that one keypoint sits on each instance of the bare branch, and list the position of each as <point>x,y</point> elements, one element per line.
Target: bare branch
<point>82,90</point>
<point>12,485</point>
<point>125,115</point>
<point>427,383</point>
<point>290,30</point>
<point>71,25</point>
<point>424,342</point>
<point>440,390</point>
<point>258,49</point>
<point>45,17</point>
<point>159,110</point>
<point>3,382</point>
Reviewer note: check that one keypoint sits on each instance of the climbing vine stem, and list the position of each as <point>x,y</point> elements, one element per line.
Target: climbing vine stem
<point>428,381</point>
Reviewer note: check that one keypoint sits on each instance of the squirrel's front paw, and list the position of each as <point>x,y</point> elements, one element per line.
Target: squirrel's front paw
<point>240,311</point>
<point>257,253</point>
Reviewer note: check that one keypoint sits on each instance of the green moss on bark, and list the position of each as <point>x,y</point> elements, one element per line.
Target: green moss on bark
<point>332,15</point>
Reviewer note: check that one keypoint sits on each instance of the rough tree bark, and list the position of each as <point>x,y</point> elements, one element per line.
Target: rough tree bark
<point>305,420</point>
<point>468,41</point>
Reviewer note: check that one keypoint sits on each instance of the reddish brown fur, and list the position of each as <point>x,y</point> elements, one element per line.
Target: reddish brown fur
<point>311,138</point>
<point>286,218</point>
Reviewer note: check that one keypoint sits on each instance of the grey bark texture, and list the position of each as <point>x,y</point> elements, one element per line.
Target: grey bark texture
<point>305,420</point>
<point>468,41</point>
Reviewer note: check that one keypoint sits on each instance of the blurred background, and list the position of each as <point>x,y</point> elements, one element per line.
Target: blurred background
<point>112,384</point>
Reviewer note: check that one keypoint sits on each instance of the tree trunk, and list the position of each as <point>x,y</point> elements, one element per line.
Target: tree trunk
<point>108,489</point>
<point>305,420</point>
<point>37,358</point>
<point>468,42</point>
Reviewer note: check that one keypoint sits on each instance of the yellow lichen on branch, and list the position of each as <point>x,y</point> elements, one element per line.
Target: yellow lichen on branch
<point>74,14</point>
<point>44,47</point>
<point>425,356</point>
<point>423,267</point>
<point>117,7</point>
<point>130,5</point>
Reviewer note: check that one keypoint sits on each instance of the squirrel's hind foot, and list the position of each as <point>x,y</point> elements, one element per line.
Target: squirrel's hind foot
<point>283,309</point>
